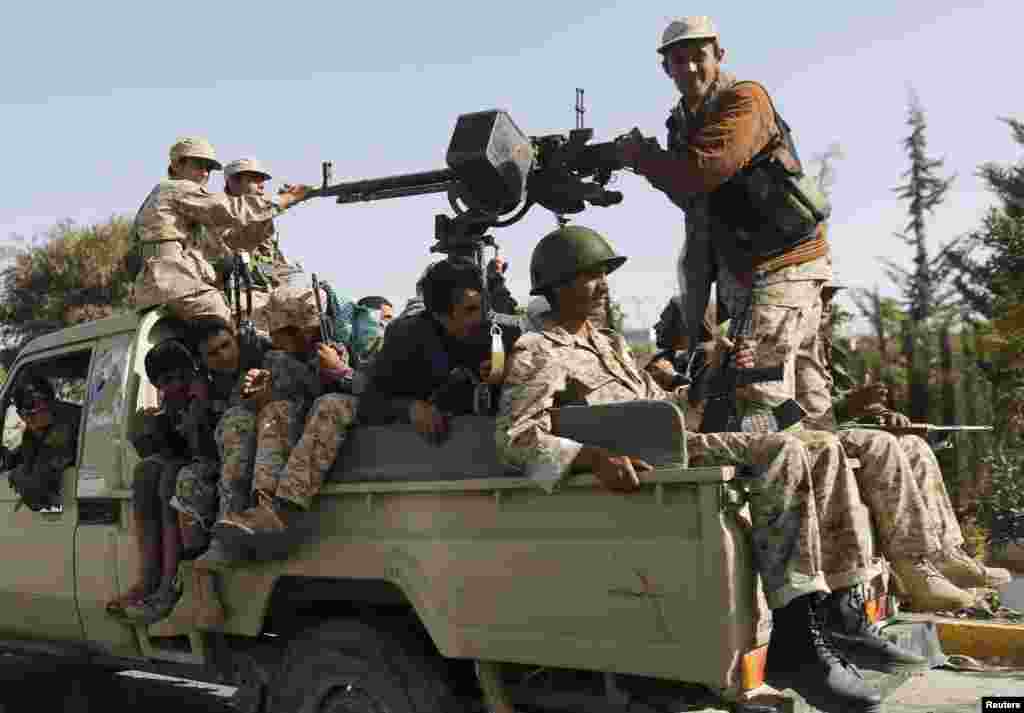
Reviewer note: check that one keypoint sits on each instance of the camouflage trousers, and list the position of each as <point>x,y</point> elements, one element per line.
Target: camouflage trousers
<point>902,482</point>
<point>804,506</point>
<point>784,318</point>
<point>330,418</point>
<point>195,492</point>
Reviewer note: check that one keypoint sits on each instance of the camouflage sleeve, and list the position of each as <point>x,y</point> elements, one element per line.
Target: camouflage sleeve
<point>242,222</point>
<point>523,430</point>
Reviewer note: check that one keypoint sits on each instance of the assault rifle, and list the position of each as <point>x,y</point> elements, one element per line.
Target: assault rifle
<point>938,437</point>
<point>327,331</point>
<point>718,386</point>
<point>495,174</point>
<point>237,275</point>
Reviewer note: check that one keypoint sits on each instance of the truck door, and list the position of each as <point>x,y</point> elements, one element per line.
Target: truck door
<point>37,581</point>
<point>104,547</point>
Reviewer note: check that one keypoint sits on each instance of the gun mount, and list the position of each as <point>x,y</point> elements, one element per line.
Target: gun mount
<point>495,174</point>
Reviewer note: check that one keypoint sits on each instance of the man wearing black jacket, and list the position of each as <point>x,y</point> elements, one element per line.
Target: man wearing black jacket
<point>430,363</point>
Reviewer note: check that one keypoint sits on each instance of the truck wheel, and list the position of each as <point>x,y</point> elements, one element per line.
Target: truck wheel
<point>351,666</point>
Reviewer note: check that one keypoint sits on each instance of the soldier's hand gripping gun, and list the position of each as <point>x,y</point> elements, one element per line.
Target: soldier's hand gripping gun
<point>718,386</point>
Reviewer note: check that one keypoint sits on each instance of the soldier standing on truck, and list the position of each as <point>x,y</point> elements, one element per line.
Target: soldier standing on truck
<point>730,163</point>
<point>293,453</point>
<point>798,549</point>
<point>902,482</point>
<point>48,444</point>
<point>181,225</point>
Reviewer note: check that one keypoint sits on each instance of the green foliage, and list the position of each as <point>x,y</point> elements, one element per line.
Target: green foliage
<point>69,274</point>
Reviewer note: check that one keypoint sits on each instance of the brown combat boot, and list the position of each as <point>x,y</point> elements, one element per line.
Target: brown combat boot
<point>926,587</point>
<point>207,609</point>
<point>264,518</point>
<point>965,571</point>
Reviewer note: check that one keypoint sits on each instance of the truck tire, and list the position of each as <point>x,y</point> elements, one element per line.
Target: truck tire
<point>353,666</point>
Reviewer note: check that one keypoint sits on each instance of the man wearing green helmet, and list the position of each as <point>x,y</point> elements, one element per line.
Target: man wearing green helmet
<point>802,551</point>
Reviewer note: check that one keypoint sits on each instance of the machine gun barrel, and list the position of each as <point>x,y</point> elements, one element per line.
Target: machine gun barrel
<point>375,189</point>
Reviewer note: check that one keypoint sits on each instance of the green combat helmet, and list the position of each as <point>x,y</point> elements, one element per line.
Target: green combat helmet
<point>568,251</point>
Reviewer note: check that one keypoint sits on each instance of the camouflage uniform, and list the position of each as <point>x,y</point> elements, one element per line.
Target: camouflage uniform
<point>40,460</point>
<point>793,543</point>
<point>785,311</point>
<point>181,228</point>
<point>899,476</point>
<point>296,387</point>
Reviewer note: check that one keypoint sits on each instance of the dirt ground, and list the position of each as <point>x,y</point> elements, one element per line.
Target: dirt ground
<point>44,684</point>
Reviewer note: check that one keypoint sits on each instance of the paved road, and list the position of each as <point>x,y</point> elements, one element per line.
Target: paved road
<point>42,685</point>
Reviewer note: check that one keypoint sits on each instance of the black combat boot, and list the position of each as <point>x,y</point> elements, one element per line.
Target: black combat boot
<point>846,622</point>
<point>801,657</point>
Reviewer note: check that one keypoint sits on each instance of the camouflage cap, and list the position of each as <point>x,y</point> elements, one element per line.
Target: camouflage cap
<point>194,147</point>
<point>293,306</point>
<point>246,165</point>
<point>695,27</point>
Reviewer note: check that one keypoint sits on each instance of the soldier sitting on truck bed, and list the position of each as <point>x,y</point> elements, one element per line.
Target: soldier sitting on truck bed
<point>901,485</point>
<point>797,546</point>
<point>902,482</point>
<point>293,452</point>
<point>173,437</point>
<point>182,227</point>
<point>413,377</point>
<point>48,444</point>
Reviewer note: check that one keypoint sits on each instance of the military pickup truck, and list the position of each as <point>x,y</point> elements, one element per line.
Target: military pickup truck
<point>436,580</point>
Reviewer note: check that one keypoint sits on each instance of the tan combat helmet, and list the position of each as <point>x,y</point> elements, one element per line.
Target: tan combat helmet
<point>195,147</point>
<point>695,27</point>
<point>246,165</point>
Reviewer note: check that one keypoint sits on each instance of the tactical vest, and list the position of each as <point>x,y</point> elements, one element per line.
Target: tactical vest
<point>770,206</point>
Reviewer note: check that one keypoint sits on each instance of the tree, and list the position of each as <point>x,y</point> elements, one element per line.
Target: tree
<point>826,175</point>
<point>67,275</point>
<point>988,264</point>
<point>885,316</point>
<point>925,191</point>
<point>988,272</point>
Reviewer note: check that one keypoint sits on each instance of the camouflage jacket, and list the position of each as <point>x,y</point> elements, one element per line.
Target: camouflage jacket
<point>552,368</point>
<point>42,457</point>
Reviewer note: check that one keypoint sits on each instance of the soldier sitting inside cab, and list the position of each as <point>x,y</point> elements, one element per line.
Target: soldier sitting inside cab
<point>570,361</point>
<point>422,351</point>
<point>48,445</point>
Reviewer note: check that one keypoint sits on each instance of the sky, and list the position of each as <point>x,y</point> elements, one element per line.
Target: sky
<point>94,95</point>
